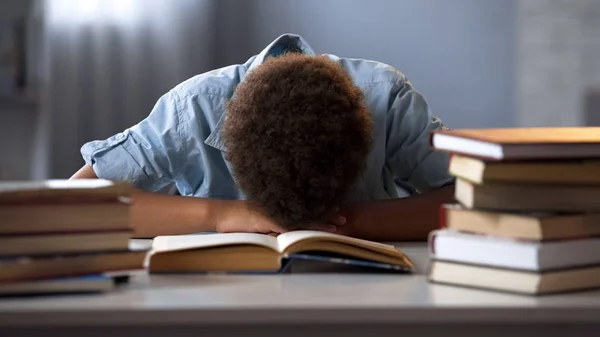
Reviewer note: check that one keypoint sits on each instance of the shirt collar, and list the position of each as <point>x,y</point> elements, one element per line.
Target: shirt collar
<point>279,44</point>
<point>215,139</point>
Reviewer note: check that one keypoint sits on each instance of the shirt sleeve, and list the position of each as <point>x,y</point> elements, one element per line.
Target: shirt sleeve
<point>145,155</point>
<point>408,150</point>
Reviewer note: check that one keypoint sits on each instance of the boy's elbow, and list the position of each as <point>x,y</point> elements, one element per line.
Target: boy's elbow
<point>86,172</point>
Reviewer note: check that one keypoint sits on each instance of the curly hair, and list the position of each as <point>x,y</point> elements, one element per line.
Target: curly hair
<point>297,134</point>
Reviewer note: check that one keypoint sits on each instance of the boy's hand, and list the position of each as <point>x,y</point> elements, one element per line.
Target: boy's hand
<point>332,223</point>
<point>238,216</point>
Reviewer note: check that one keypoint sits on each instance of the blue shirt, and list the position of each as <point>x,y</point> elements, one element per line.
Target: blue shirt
<point>180,141</point>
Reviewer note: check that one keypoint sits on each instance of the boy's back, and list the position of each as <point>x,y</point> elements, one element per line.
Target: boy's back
<point>182,141</point>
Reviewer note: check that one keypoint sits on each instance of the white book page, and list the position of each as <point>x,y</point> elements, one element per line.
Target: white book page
<point>465,145</point>
<point>287,239</point>
<point>12,186</point>
<point>197,241</point>
<point>455,246</point>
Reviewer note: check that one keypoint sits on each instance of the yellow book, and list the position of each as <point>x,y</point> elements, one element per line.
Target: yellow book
<point>524,225</point>
<point>565,172</point>
<point>513,280</point>
<point>516,197</point>
<point>64,206</point>
<point>520,143</point>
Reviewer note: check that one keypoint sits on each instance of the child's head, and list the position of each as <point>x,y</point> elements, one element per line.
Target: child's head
<point>297,134</point>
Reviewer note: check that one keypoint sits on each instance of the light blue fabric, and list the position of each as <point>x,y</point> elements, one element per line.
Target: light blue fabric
<point>180,141</point>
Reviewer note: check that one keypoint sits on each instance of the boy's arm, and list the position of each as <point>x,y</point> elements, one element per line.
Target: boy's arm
<point>148,155</point>
<point>411,158</point>
<point>154,214</point>
<point>405,219</point>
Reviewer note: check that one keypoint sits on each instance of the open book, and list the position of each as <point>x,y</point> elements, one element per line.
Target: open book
<point>239,252</point>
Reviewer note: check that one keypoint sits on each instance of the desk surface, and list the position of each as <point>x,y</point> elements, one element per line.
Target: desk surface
<point>295,299</point>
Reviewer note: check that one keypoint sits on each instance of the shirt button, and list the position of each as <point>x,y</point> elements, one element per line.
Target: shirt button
<point>120,136</point>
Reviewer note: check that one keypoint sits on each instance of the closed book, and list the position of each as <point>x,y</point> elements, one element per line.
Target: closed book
<point>528,226</point>
<point>514,281</point>
<point>480,171</point>
<point>454,246</point>
<point>520,143</point>
<point>62,243</point>
<point>64,217</point>
<point>528,197</point>
<point>251,252</point>
<point>63,191</point>
<point>70,285</point>
<point>19,269</point>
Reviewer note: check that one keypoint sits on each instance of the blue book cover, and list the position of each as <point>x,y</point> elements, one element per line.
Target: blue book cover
<point>324,262</point>
<point>98,283</point>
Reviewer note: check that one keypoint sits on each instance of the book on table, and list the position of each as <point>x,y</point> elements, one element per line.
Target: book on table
<point>551,172</point>
<point>63,243</point>
<point>535,226</point>
<point>528,213</point>
<point>62,191</point>
<point>250,252</point>
<point>512,280</point>
<point>31,268</point>
<point>61,206</point>
<point>455,246</point>
<point>520,143</point>
<point>64,228</point>
<point>519,197</point>
<point>511,265</point>
<point>99,283</point>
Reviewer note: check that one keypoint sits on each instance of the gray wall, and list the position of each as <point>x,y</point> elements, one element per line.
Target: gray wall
<point>106,77</point>
<point>459,53</point>
<point>558,69</point>
<point>13,8</point>
<point>17,124</point>
<point>17,120</point>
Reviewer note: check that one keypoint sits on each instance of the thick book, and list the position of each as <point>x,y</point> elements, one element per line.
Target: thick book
<point>250,252</point>
<point>71,285</point>
<point>46,244</point>
<point>63,191</point>
<point>517,197</point>
<point>468,248</point>
<point>514,281</point>
<point>64,217</point>
<point>480,171</point>
<point>527,226</point>
<point>520,143</point>
<point>19,269</point>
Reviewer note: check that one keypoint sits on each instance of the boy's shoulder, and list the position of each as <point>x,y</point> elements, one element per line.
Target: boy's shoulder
<point>223,81</point>
<point>219,82</point>
<point>366,72</point>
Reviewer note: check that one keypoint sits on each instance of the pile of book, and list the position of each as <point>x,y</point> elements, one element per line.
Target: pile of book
<point>61,236</point>
<point>528,213</point>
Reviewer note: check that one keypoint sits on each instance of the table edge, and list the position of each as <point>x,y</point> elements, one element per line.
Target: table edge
<point>215,316</point>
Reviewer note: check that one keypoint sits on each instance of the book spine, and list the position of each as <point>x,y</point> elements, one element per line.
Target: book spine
<point>431,243</point>
<point>443,217</point>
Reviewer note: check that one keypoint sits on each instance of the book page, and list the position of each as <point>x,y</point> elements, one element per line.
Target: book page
<point>548,135</point>
<point>199,241</point>
<point>287,239</point>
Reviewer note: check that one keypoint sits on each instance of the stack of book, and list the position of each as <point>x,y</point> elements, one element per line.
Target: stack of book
<point>64,236</point>
<point>528,213</point>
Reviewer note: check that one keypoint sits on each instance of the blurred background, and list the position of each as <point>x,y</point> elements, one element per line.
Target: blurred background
<point>77,70</point>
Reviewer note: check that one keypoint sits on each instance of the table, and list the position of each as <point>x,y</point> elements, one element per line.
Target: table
<point>302,304</point>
